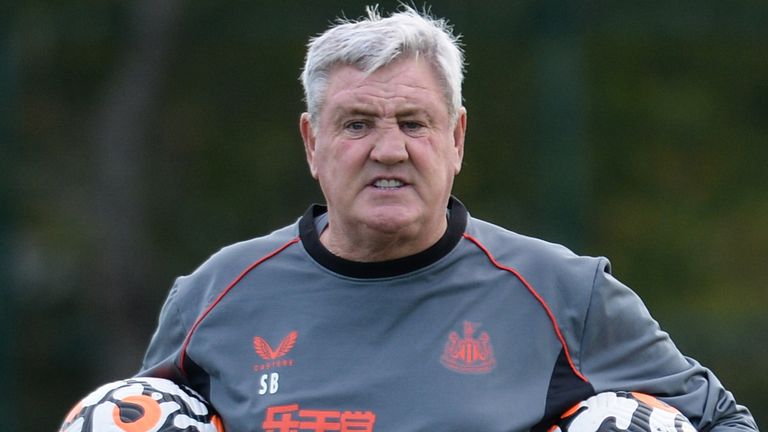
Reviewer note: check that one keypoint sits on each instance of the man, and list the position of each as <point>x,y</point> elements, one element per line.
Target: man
<point>391,309</point>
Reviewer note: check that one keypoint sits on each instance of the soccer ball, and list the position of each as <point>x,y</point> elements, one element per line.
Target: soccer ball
<point>622,411</point>
<point>142,405</point>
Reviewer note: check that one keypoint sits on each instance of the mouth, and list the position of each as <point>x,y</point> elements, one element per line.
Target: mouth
<point>388,184</point>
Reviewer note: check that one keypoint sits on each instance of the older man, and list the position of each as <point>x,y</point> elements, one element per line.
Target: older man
<point>391,309</point>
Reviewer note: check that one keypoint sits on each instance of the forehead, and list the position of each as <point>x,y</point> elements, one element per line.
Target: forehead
<point>408,82</point>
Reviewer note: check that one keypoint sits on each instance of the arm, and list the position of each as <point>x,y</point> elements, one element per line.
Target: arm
<point>623,348</point>
<point>162,353</point>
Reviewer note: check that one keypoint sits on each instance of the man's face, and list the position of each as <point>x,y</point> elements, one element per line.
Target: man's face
<point>385,150</point>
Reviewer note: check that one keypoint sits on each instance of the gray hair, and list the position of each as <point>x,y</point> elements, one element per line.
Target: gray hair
<point>373,42</point>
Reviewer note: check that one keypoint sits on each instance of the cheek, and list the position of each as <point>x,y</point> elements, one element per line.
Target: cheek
<point>324,158</point>
<point>347,155</point>
<point>441,159</point>
<point>334,163</point>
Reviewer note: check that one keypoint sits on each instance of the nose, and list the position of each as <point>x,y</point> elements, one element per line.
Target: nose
<point>390,147</point>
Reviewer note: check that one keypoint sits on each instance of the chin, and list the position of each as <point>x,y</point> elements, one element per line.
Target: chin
<point>390,226</point>
<point>393,221</point>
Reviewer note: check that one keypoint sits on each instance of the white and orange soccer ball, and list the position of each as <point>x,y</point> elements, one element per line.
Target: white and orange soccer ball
<point>142,405</point>
<point>622,412</point>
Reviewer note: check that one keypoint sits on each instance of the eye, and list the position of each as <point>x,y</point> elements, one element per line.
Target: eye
<point>412,127</point>
<point>356,127</point>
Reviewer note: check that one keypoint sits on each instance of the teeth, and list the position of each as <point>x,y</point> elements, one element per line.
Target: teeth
<point>388,184</point>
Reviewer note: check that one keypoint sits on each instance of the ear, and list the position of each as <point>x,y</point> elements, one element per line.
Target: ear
<point>308,136</point>
<point>459,133</point>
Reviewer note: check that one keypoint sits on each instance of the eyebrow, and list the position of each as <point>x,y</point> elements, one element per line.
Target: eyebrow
<point>360,110</point>
<point>365,111</point>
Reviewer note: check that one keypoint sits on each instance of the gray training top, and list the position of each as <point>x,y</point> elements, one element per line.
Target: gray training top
<point>485,331</point>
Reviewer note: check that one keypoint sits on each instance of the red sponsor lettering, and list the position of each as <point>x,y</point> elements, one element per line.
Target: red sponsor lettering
<point>320,421</point>
<point>289,418</point>
<point>280,419</point>
<point>357,421</point>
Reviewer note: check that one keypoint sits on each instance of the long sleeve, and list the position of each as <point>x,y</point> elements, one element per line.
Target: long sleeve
<point>168,337</point>
<point>623,347</point>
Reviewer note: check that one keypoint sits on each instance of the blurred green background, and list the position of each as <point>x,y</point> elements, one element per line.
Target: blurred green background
<point>140,137</point>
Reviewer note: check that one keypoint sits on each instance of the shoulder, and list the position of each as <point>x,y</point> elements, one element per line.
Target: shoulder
<point>197,290</point>
<point>532,257</point>
<point>564,280</point>
<point>235,257</point>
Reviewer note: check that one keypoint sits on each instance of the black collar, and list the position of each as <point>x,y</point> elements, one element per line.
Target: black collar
<point>457,223</point>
